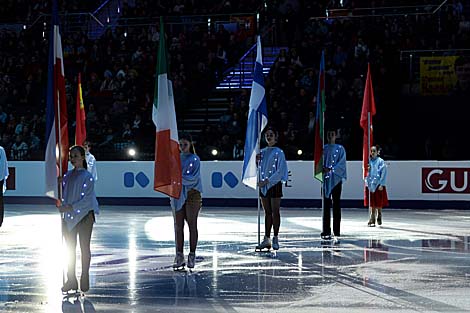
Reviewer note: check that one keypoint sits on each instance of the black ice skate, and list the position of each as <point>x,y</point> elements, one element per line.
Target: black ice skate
<point>191,260</point>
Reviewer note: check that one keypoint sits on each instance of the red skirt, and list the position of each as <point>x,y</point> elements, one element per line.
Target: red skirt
<point>378,199</point>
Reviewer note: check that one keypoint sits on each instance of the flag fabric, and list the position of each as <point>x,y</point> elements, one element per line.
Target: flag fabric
<point>80,128</point>
<point>368,109</point>
<point>167,168</point>
<point>257,121</point>
<point>319,127</point>
<point>57,143</point>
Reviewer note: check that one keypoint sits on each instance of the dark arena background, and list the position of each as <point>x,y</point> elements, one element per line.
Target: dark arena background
<point>418,52</point>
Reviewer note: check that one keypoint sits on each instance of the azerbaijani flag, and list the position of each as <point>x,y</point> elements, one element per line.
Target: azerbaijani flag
<point>57,142</point>
<point>321,106</point>
<point>257,121</point>
<point>368,111</point>
<point>80,128</point>
<point>167,170</point>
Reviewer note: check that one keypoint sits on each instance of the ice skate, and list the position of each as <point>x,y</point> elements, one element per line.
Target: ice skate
<point>379,216</point>
<point>371,222</point>
<point>178,263</point>
<point>265,245</point>
<point>336,239</point>
<point>71,285</point>
<point>325,236</point>
<point>275,243</point>
<point>191,259</point>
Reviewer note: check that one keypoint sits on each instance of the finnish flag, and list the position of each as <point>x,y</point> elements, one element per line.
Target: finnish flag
<point>257,121</point>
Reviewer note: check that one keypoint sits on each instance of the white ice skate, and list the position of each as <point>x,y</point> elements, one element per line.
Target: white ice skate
<point>265,245</point>
<point>70,286</point>
<point>178,263</point>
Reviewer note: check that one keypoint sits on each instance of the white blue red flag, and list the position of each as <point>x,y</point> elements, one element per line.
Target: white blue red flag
<point>257,121</point>
<point>57,141</point>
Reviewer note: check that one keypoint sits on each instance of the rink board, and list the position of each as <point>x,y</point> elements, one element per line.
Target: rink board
<point>408,181</point>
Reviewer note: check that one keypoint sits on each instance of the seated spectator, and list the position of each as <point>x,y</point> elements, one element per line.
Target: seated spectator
<point>19,150</point>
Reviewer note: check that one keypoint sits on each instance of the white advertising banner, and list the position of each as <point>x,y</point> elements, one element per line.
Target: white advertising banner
<point>407,180</point>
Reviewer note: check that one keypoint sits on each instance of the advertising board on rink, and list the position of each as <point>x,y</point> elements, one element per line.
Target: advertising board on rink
<point>407,181</point>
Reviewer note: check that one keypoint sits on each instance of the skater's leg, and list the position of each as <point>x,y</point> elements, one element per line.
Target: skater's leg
<point>379,216</point>
<point>336,195</point>
<point>193,206</point>
<point>326,217</point>
<point>70,238</point>
<point>179,218</point>
<point>371,216</point>
<point>1,203</point>
<point>276,214</point>
<point>268,216</point>
<point>85,229</point>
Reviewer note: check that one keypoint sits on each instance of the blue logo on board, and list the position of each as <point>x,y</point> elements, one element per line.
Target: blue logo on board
<point>130,179</point>
<point>229,178</point>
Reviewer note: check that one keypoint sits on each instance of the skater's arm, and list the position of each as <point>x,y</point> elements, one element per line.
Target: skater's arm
<point>281,172</point>
<point>191,172</point>
<point>85,200</point>
<point>339,168</point>
<point>383,173</point>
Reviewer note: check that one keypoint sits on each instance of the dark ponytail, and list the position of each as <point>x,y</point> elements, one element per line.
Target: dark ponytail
<point>81,150</point>
<point>189,138</point>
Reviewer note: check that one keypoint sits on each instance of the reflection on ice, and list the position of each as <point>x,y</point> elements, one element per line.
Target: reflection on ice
<point>412,263</point>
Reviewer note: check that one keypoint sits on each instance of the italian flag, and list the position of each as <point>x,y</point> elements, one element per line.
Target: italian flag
<point>167,170</point>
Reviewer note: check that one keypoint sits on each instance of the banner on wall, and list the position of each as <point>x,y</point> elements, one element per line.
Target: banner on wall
<point>437,75</point>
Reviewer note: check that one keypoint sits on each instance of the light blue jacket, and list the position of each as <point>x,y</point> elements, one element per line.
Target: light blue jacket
<point>334,158</point>
<point>78,191</point>
<point>3,167</point>
<point>273,166</point>
<point>377,174</point>
<point>191,170</point>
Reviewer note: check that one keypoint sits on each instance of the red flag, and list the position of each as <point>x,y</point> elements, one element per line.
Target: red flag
<point>368,111</point>
<point>80,128</point>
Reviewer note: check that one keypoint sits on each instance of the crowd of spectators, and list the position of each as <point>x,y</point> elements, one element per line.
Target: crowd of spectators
<point>118,75</point>
<point>118,81</point>
<point>349,44</point>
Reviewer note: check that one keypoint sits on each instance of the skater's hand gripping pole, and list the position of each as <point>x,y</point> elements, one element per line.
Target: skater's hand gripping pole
<point>64,208</point>
<point>289,174</point>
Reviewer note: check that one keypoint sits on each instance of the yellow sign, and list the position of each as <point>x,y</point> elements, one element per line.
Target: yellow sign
<point>437,75</point>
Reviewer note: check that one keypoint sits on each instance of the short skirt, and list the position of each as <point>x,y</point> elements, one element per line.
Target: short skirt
<point>273,192</point>
<point>194,199</point>
<point>378,199</point>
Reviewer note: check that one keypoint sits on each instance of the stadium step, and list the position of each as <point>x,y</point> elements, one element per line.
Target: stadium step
<point>209,111</point>
<point>241,75</point>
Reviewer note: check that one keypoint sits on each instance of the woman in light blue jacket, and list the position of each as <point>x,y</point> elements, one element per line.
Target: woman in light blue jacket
<point>188,205</point>
<point>375,182</point>
<point>79,206</point>
<point>272,174</point>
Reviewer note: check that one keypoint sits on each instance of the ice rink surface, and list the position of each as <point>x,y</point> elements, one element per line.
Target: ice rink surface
<point>418,261</point>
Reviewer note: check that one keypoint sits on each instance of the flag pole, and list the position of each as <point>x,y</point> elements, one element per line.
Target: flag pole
<point>59,146</point>
<point>258,144</point>
<point>322,185</point>
<point>368,155</point>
